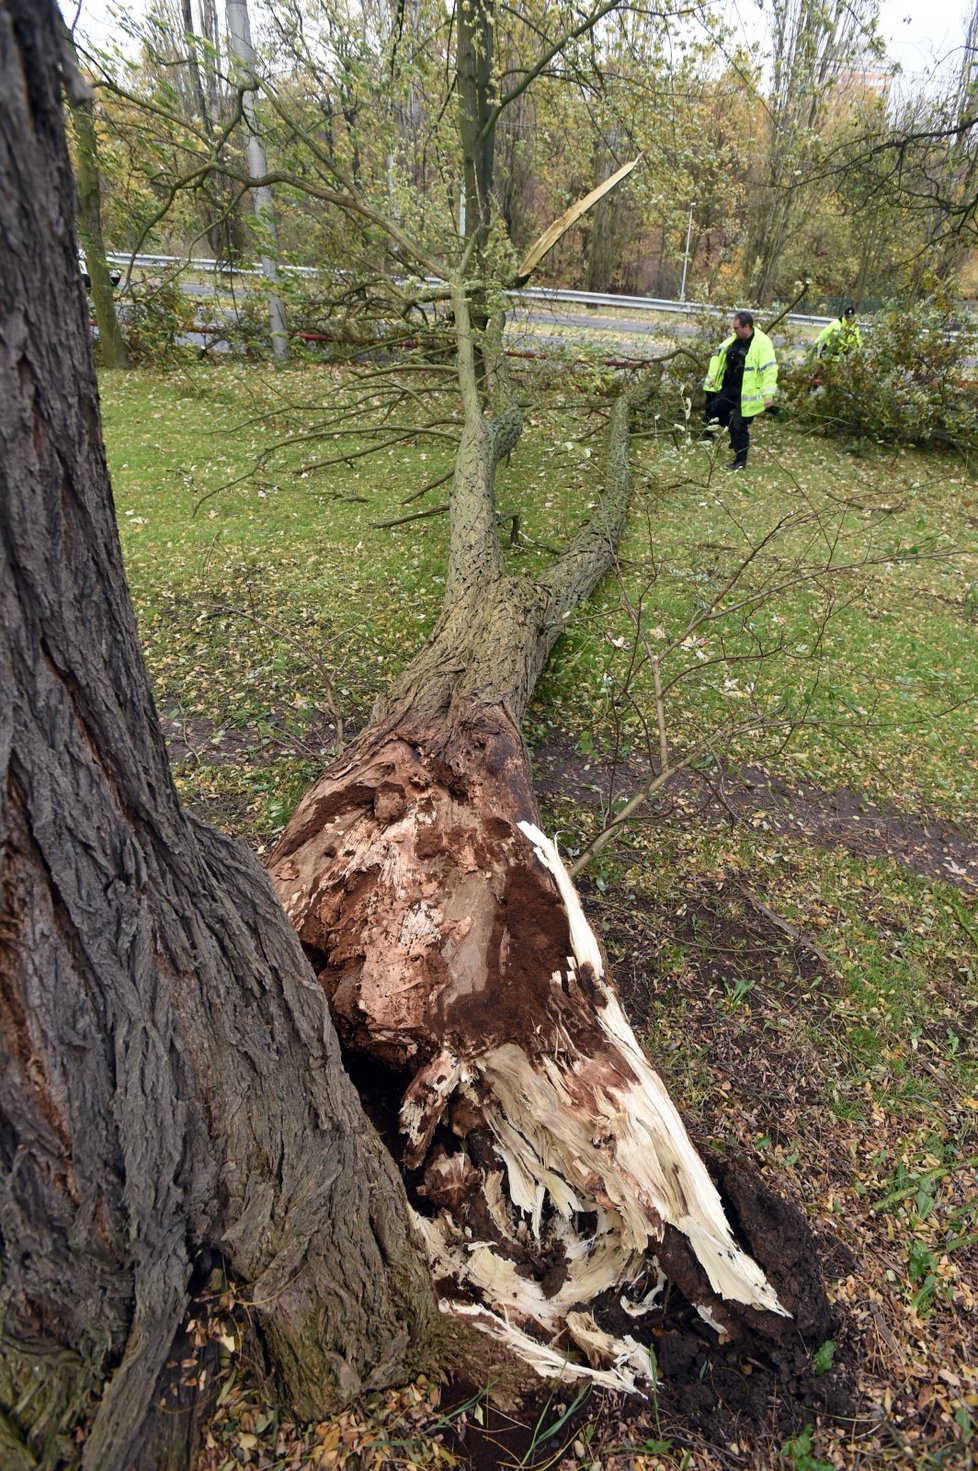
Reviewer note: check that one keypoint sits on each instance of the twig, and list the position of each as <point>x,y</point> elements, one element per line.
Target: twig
<point>414,516</point>
<point>789,308</point>
<point>791,930</point>
<point>432,485</point>
<point>331,702</point>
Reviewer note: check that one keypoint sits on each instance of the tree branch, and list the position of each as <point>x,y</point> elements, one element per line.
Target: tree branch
<point>544,61</point>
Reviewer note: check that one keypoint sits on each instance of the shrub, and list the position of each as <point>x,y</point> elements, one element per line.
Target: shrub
<point>152,314</point>
<point>910,383</point>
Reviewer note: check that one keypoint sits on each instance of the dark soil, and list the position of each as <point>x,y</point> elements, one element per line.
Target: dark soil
<point>750,795</point>
<point>752,1387</point>
<point>199,740</point>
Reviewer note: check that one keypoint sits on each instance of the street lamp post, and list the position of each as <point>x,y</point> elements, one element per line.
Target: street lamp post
<point>689,232</point>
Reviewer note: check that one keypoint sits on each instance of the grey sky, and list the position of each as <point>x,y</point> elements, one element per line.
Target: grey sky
<point>920,34</point>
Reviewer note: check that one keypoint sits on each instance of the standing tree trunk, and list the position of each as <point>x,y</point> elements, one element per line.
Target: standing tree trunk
<point>226,235</point>
<point>606,230</point>
<point>476,26</point>
<point>456,956</point>
<point>112,347</point>
<point>170,1085</point>
<point>193,66</point>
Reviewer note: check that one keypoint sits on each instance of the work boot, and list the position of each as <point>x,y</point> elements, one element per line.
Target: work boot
<point>740,463</point>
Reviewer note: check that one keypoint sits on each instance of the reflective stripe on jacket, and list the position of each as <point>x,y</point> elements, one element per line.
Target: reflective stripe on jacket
<point>760,373</point>
<point>839,336</point>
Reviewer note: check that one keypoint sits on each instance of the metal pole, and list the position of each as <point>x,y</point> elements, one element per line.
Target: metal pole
<point>689,232</point>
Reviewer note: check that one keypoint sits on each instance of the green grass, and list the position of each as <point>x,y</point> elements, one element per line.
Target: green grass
<point>886,690</point>
<point>853,1082</point>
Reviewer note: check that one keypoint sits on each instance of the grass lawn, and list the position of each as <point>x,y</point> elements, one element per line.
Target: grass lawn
<point>792,919</point>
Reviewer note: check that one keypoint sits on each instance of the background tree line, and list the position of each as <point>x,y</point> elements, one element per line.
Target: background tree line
<point>809,163</point>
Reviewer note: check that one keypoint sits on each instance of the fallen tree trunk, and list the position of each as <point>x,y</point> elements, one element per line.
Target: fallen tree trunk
<point>548,1161</point>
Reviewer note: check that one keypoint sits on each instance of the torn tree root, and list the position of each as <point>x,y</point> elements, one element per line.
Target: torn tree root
<point>549,1166</point>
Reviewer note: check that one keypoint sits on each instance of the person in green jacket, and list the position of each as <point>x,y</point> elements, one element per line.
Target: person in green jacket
<point>741,382</point>
<point>840,336</point>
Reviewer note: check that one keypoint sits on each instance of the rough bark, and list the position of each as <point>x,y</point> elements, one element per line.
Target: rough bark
<point>170,1083</point>
<point>543,1151</point>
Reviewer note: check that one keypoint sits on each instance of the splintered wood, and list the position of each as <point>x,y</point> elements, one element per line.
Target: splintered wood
<point>545,1159</point>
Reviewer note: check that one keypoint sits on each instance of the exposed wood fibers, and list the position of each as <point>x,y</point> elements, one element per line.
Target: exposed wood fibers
<point>545,1155</point>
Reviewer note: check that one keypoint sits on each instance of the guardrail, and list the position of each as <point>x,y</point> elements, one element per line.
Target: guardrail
<point>548,294</point>
<point>649,303</point>
<point>193,262</point>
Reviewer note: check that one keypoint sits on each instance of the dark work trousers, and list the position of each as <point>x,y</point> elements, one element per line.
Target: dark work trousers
<point>725,412</point>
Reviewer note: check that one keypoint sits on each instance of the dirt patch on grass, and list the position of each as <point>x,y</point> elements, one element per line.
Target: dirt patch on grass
<point>738,943</point>
<point>749,795</point>
<point>197,739</point>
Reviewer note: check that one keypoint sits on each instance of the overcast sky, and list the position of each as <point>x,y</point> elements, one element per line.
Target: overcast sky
<point>919,33</point>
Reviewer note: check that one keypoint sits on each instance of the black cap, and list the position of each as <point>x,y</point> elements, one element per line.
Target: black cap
<point>848,310</point>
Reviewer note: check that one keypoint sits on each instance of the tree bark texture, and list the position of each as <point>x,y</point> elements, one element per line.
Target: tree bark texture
<point>549,1165</point>
<point>170,1081</point>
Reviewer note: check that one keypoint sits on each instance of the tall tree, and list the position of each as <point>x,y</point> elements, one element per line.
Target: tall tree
<point>239,31</point>
<point>170,1084</point>
<point>813,48</point>
<point>112,346</point>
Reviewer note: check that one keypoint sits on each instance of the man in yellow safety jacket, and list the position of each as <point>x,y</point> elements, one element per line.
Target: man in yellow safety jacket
<point>840,336</point>
<point>741,382</point>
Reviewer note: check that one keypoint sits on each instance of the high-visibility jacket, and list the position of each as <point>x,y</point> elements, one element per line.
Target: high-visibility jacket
<point>760,373</point>
<point>842,335</point>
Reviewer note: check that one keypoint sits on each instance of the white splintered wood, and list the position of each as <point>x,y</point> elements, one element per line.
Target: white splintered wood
<point>644,1140</point>
<point>583,942</point>
<point>595,1160</point>
<point>629,1363</point>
